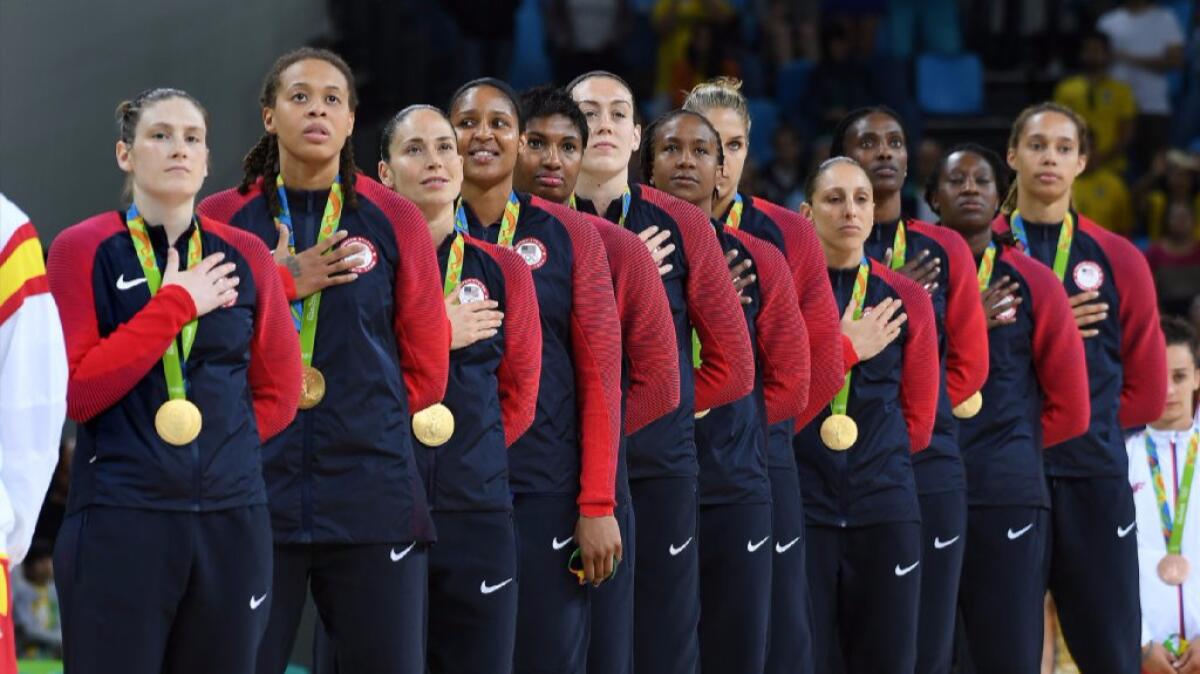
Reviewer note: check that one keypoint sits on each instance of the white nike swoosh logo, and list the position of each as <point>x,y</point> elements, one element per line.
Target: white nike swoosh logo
<point>1014,535</point>
<point>122,284</point>
<point>752,547</point>
<point>1122,532</point>
<point>938,543</point>
<point>780,549</point>
<point>559,545</point>
<point>904,572</point>
<point>484,588</point>
<point>255,602</point>
<point>93,459</point>
<point>397,556</point>
<point>676,550</point>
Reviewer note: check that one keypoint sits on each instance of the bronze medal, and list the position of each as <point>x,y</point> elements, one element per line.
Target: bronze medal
<point>969,407</point>
<point>1174,569</point>
<point>178,422</point>
<point>312,388</point>
<point>433,425</point>
<point>839,432</point>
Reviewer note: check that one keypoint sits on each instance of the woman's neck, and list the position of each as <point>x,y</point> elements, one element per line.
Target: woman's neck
<point>299,175</point>
<point>724,203</point>
<point>1182,423</point>
<point>707,206</point>
<point>978,239</point>
<point>887,207</point>
<point>602,190</point>
<point>840,258</point>
<point>441,221</point>
<point>1034,210</point>
<point>175,216</point>
<point>488,202</point>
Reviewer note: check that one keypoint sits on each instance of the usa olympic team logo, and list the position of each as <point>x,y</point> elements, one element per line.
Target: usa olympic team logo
<point>472,290</point>
<point>366,257</point>
<point>1088,276</point>
<point>532,251</point>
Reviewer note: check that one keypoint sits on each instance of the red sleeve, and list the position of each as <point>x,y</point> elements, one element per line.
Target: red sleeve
<point>920,371</point>
<point>104,370</point>
<point>596,354</point>
<point>274,373</point>
<point>224,205</point>
<point>1058,357</point>
<point>647,330</point>
<point>422,329</point>
<point>782,338</point>
<point>966,325</point>
<point>520,368</point>
<point>1143,348</point>
<point>806,260</point>
<point>727,372</point>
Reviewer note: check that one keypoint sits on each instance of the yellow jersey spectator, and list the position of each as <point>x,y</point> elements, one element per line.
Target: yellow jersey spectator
<point>1103,197</point>
<point>1106,103</point>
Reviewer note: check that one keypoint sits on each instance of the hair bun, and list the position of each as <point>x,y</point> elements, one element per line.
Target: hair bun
<point>725,82</point>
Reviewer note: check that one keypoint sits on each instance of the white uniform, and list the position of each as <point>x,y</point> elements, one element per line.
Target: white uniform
<point>33,382</point>
<point>1166,610</point>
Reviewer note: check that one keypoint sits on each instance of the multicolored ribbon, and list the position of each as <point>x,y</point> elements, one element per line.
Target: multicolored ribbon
<point>734,219</point>
<point>304,314</point>
<point>508,221</point>
<point>172,367</point>
<point>986,266</point>
<point>1065,236</point>
<point>458,249</point>
<point>899,246</point>
<point>1173,529</point>
<point>857,295</point>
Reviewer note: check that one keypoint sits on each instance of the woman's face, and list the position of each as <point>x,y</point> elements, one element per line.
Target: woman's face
<point>168,159</point>
<point>877,143</point>
<point>842,207</point>
<point>311,115</point>
<point>612,134</point>
<point>734,138</point>
<point>1047,157</point>
<point>966,196</point>
<point>424,166</point>
<point>488,135</point>
<point>685,160</point>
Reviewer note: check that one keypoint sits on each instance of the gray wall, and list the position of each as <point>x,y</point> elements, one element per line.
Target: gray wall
<point>65,64</point>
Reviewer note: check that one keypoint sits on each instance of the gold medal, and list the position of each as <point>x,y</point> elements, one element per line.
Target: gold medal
<point>312,388</point>
<point>1174,569</point>
<point>178,421</point>
<point>839,432</point>
<point>433,425</point>
<point>969,407</point>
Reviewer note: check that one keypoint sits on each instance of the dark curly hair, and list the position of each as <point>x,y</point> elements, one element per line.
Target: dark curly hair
<point>262,161</point>
<point>547,101</point>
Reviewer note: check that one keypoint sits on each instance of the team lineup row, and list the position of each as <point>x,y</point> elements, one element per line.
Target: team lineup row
<point>504,410</point>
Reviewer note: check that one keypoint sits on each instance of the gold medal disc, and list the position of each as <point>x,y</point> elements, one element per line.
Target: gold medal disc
<point>312,388</point>
<point>178,422</point>
<point>433,425</point>
<point>969,407</point>
<point>839,432</point>
<point>1174,569</point>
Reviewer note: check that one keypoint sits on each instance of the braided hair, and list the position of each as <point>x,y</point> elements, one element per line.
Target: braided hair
<point>262,161</point>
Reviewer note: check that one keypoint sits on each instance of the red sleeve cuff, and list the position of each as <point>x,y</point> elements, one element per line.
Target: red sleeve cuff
<point>849,355</point>
<point>289,283</point>
<point>594,510</point>
<point>179,299</point>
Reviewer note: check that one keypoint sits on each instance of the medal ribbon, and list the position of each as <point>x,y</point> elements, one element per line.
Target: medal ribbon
<point>306,318</point>
<point>1065,236</point>
<point>172,369</point>
<point>734,219</point>
<point>857,295</point>
<point>1173,530</point>
<point>508,222</point>
<point>986,266</point>
<point>626,199</point>
<point>454,263</point>
<point>899,246</point>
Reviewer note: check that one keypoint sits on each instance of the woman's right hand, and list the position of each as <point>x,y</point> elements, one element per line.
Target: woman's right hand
<point>208,283</point>
<point>878,327</point>
<point>471,322</point>
<point>1156,660</point>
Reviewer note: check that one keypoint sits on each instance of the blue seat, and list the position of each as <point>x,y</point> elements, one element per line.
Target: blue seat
<point>950,84</point>
<point>791,86</point>
<point>530,62</point>
<point>764,116</point>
